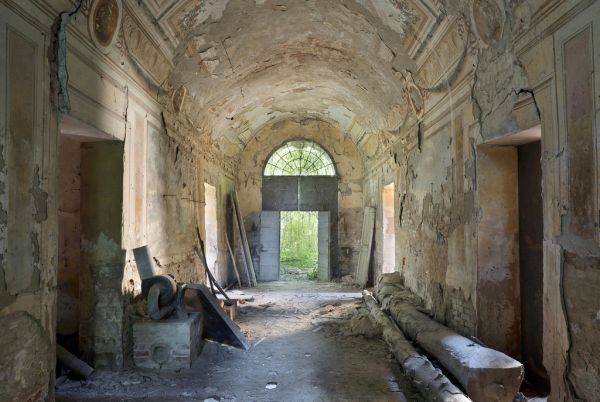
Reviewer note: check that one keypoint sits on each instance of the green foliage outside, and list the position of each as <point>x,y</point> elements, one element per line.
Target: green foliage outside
<point>299,246</point>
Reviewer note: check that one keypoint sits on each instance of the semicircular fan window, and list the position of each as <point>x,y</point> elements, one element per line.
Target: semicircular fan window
<point>300,158</point>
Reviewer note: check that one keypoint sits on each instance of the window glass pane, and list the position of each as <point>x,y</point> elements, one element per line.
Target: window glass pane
<point>300,158</point>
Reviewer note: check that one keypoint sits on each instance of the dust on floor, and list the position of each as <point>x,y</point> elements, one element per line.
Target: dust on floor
<point>311,342</point>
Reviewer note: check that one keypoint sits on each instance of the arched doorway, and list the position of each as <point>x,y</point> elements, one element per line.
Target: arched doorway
<point>299,212</point>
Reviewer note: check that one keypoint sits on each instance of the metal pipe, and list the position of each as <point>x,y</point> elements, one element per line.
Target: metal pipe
<point>144,262</point>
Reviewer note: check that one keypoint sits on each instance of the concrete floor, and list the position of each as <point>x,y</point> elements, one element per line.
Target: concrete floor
<point>302,351</point>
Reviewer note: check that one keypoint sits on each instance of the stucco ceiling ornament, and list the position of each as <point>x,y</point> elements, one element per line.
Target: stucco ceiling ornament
<point>143,50</point>
<point>371,146</point>
<point>413,94</point>
<point>488,20</point>
<point>396,117</point>
<point>446,62</point>
<point>178,99</point>
<point>104,22</point>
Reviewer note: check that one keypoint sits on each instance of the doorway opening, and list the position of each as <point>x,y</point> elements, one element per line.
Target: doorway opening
<point>531,272</point>
<point>298,245</point>
<point>90,210</point>
<point>294,245</point>
<point>389,230</point>
<point>69,244</point>
<point>510,252</point>
<point>211,227</point>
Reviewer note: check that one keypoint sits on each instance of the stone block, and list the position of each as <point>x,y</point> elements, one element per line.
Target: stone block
<point>169,344</point>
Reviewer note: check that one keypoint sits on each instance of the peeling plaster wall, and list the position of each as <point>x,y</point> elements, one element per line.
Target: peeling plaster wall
<point>442,228</point>
<point>349,167</point>
<point>558,66</point>
<point>175,202</point>
<point>172,203</point>
<point>112,96</point>
<point>435,217</point>
<point>28,221</point>
<point>163,164</point>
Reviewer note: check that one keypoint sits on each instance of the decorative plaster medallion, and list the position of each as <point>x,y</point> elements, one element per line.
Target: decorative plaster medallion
<point>488,20</point>
<point>415,98</point>
<point>104,21</point>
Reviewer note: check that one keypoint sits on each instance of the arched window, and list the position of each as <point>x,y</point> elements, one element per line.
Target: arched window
<point>300,158</point>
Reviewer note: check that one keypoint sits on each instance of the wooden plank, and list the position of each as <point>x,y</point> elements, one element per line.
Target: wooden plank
<point>364,258</point>
<point>217,324</point>
<point>241,248</point>
<point>244,238</point>
<point>235,268</point>
<point>269,246</point>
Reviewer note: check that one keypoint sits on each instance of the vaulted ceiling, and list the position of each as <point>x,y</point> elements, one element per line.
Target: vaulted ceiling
<point>237,65</point>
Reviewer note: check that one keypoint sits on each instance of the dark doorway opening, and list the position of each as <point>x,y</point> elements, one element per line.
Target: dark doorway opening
<point>531,223</point>
<point>69,244</point>
<point>90,216</point>
<point>510,243</point>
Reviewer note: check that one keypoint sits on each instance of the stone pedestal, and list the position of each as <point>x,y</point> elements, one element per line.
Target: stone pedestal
<point>167,344</point>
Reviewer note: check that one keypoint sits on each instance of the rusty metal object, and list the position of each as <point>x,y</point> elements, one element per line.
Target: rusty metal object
<point>165,297</point>
<point>166,285</point>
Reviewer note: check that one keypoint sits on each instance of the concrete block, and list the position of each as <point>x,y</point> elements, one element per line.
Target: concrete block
<point>169,344</point>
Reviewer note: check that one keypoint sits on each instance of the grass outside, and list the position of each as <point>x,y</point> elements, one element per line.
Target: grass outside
<point>299,244</point>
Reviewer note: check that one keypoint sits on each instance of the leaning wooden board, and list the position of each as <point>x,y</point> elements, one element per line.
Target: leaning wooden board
<point>364,257</point>
<point>235,268</point>
<point>241,248</point>
<point>243,237</point>
<point>218,326</point>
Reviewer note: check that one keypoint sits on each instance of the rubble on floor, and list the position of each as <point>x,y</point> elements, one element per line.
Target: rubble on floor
<point>300,350</point>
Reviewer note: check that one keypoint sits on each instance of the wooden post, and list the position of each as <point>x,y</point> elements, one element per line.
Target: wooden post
<point>235,268</point>
<point>364,257</point>
<point>244,239</point>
